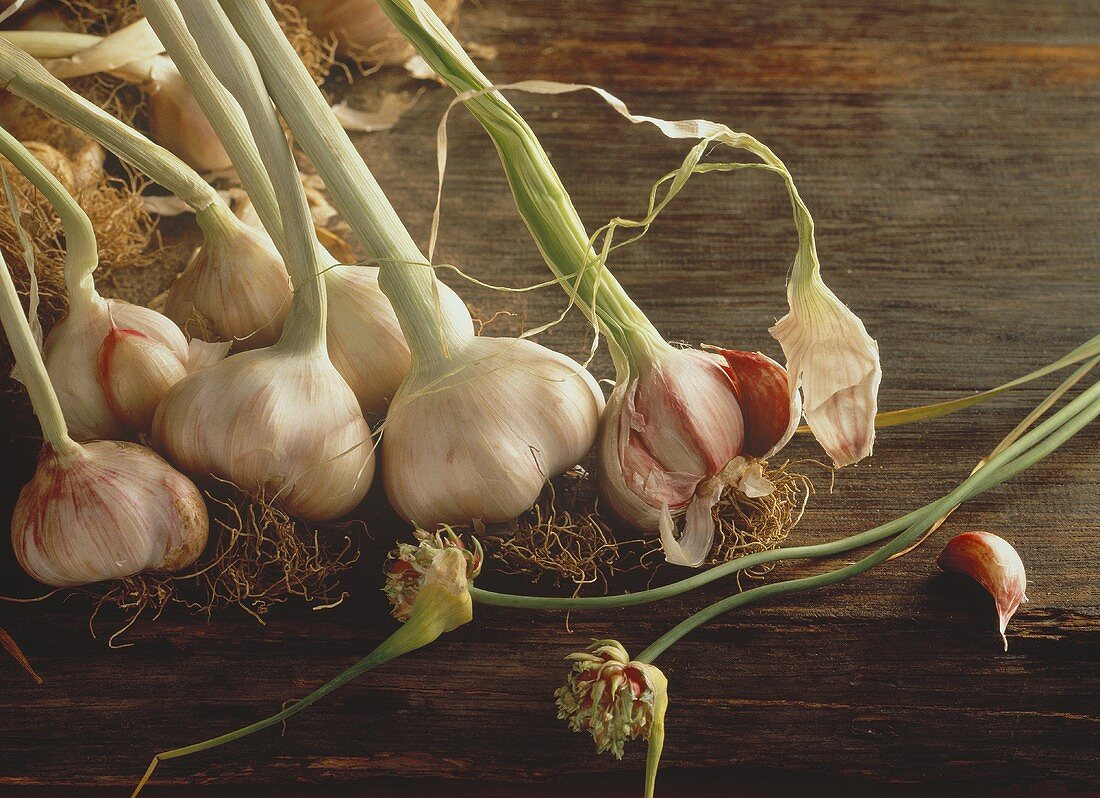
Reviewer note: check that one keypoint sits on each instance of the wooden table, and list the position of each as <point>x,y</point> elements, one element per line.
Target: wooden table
<point>949,152</point>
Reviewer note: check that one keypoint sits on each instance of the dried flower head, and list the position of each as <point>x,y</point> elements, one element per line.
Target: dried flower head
<point>611,697</point>
<point>408,564</point>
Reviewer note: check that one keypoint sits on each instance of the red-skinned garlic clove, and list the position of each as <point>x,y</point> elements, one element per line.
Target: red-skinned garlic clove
<point>992,562</point>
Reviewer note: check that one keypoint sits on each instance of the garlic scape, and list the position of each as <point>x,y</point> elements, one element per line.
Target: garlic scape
<point>133,54</point>
<point>364,337</point>
<point>279,422</point>
<point>479,425</point>
<point>235,286</point>
<point>679,422</point>
<point>71,349</point>
<point>101,510</point>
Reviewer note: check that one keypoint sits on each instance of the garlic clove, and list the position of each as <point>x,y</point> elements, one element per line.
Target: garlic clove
<point>364,337</point>
<point>235,287</point>
<point>771,410</point>
<point>281,425</point>
<point>994,564</point>
<point>71,354</point>
<point>114,511</point>
<point>664,438</point>
<point>176,122</point>
<point>481,439</point>
<point>135,372</point>
<point>836,364</point>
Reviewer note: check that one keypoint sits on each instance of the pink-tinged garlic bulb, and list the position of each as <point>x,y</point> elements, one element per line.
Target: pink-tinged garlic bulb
<point>993,563</point>
<point>478,434</point>
<point>235,287</point>
<point>110,510</point>
<point>669,434</point>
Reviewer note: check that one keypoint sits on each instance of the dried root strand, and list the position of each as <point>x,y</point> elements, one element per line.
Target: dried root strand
<point>100,17</point>
<point>318,53</point>
<point>572,546</point>
<point>746,525</point>
<point>259,557</point>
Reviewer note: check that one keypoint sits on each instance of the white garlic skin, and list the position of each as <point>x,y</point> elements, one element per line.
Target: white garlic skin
<point>280,425</point>
<point>135,372</point>
<point>676,425</point>
<point>115,510</point>
<point>71,354</point>
<point>993,563</point>
<point>234,288</point>
<point>364,337</point>
<point>480,439</point>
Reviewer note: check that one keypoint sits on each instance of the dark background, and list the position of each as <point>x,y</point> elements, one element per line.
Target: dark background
<point>949,153</point>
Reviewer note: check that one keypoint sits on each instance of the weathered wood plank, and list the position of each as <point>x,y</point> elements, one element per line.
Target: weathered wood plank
<point>949,154</point>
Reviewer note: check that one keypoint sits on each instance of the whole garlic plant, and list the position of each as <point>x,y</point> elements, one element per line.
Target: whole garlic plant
<point>101,510</point>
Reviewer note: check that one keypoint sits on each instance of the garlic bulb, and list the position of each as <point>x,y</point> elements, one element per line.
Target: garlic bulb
<point>235,286</point>
<point>362,29</point>
<point>994,564</point>
<point>364,336</point>
<point>112,511</point>
<point>72,355</point>
<point>670,433</point>
<point>478,435</point>
<point>279,423</point>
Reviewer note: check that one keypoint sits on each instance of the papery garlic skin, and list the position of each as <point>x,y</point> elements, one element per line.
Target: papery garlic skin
<point>113,511</point>
<point>480,439</point>
<point>769,409</point>
<point>835,363</point>
<point>135,372</point>
<point>364,337</point>
<point>279,424</point>
<point>662,436</point>
<point>993,563</point>
<point>234,288</point>
<point>71,353</point>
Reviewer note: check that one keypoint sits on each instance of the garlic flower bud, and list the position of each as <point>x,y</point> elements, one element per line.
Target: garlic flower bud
<point>993,563</point>
<point>612,698</point>
<point>364,336</point>
<point>110,511</point>
<point>280,423</point>
<point>835,362</point>
<point>670,434</point>
<point>407,565</point>
<point>72,355</point>
<point>477,435</point>
<point>235,286</point>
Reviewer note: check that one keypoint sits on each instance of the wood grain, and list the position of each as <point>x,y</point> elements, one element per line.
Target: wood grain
<point>949,153</point>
